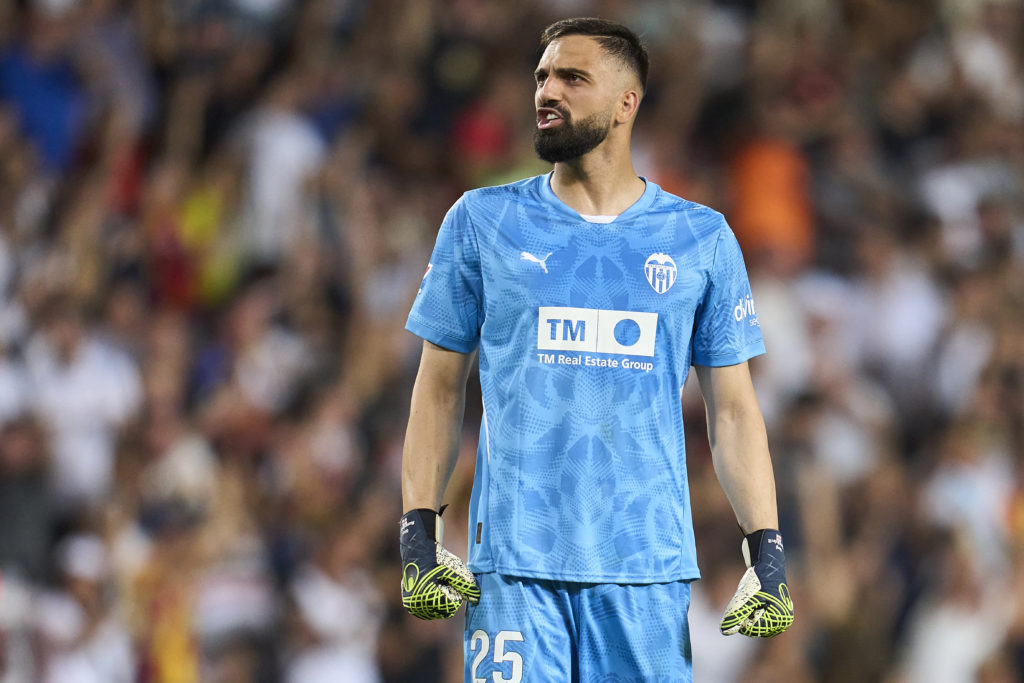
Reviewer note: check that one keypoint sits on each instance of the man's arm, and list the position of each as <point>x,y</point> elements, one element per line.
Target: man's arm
<point>435,424</point>
<point>435,582</point>
<point>762,606</point>
<point>739,445</point>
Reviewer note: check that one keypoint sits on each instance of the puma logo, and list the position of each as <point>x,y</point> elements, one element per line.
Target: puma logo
<point>542,262</point>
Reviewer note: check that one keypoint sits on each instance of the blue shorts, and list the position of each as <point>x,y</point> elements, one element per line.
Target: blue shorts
<point>539,631</point>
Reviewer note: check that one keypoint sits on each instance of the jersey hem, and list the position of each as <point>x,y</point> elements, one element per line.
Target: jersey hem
<point>716,360</point>
<point>690,574</point>
<point>435,336</point>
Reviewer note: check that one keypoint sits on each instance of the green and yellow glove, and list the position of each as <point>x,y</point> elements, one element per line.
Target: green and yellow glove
<point>761,607</point>
<point>435,582</point>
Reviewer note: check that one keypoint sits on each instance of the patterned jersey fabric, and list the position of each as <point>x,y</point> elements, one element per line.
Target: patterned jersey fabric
<point>586,333</point>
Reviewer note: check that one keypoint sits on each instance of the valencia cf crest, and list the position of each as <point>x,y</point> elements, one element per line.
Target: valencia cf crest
<point>661,272</point>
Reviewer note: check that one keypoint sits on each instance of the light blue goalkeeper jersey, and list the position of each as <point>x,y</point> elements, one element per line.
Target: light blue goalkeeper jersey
<point>586,334</point>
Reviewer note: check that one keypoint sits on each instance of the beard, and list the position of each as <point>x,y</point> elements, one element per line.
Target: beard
<point>570,140</point>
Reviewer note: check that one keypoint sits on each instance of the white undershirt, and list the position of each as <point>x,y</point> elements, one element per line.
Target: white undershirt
<point>598,219</point>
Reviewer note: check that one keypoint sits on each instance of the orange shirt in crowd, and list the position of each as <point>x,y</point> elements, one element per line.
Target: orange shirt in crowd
<point>771,208</point>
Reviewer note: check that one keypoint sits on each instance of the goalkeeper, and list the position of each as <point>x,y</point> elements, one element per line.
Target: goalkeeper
<point>586,294</point>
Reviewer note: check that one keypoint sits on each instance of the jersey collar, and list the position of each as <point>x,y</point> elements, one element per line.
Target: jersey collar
<point>638,207</point>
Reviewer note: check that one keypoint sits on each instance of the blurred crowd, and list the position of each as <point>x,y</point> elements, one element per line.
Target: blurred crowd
<point>214,215</point>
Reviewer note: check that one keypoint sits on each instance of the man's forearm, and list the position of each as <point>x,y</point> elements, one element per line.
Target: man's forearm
<point>435,423</point>
<point>430,451</point>
<point>739,445</point>
<point>435,582</point>
<point>739,451</point>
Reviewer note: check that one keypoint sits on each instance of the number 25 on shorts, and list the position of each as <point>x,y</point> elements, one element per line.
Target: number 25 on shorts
<point>502,659</point>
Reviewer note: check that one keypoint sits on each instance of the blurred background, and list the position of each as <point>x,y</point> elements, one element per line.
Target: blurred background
<point>214,215</point>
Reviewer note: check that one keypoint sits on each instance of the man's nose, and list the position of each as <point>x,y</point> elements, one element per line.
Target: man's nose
<point>548,93</point>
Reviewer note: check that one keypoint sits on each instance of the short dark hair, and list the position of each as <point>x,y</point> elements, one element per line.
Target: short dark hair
<point>616,39</point>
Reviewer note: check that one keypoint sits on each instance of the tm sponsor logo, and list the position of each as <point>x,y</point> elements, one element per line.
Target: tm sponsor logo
<point>590,330</point>
<point>585,360</point>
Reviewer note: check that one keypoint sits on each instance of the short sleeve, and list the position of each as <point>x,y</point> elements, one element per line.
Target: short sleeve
<point>447,310</point>
<point>726,329</point>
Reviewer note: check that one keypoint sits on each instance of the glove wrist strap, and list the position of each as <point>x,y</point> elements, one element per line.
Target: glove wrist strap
<point>761,543</point>
<point>428,522</point>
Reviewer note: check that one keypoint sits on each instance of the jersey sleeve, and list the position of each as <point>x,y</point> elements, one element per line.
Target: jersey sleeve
<point>448,307</point>
<point>726,329</point>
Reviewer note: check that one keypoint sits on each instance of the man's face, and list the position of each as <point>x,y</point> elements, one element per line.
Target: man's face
<point>577,86</point>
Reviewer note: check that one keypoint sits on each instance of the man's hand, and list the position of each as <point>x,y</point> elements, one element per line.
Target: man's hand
<point>434,581</point>
<point>761,607</point>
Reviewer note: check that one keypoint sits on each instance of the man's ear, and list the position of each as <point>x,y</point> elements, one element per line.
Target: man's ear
<point>629,102</point>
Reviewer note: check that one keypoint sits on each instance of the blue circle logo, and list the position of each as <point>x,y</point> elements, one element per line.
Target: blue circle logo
<point>627,332</point>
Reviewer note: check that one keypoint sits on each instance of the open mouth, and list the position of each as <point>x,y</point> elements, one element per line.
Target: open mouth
<point>548,118</point>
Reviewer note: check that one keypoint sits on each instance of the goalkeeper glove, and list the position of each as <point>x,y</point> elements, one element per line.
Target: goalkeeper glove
<point>434,581</point>
<point>761,607</point>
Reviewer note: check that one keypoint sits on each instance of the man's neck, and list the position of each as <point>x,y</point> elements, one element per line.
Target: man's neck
<point>597,186</point>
